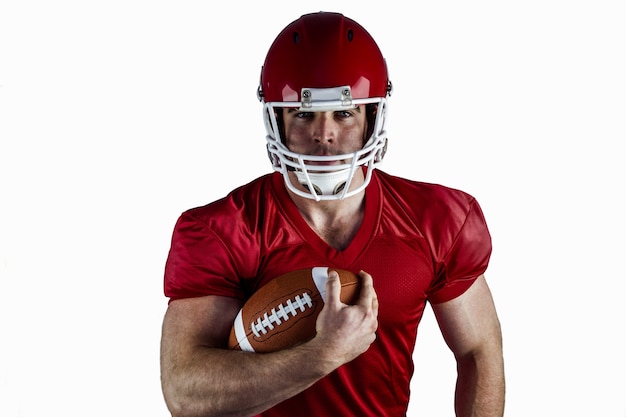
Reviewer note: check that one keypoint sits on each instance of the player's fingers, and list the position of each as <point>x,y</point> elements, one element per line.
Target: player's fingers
<point>333,289</point>
<point>368,297</point>
<point>375,304</point>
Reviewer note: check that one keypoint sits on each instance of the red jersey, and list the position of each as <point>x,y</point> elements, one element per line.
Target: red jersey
<point>418,241</point>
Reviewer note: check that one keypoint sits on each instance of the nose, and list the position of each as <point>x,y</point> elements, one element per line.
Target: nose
<point>325,128</point>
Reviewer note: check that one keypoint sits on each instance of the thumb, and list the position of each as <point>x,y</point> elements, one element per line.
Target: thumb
<point>333,289</point>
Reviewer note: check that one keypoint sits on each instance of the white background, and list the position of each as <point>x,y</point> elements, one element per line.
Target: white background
<point>116,116</point>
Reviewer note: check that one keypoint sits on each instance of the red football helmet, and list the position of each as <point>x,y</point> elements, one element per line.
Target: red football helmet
<point>324,62</point>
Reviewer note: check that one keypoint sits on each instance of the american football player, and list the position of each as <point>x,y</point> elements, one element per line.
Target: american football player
<point>324,88</point>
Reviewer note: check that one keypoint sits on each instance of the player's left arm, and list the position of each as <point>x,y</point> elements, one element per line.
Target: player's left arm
<point>470,327</point>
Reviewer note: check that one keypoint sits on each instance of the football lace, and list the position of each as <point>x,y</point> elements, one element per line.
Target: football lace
<point>281,313</point>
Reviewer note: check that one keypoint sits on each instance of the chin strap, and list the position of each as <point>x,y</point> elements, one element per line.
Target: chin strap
<point>327,183</point>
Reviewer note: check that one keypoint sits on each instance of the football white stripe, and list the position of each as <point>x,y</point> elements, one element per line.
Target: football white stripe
<point>320,276</point>
<point>240,333</point>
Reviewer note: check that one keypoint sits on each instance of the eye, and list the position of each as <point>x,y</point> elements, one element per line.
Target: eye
<point>294,113</point>
<point>304,115</point>
<point>343,114</point>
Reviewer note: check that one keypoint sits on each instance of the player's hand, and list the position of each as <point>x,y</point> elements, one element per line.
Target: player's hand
<point>346,331</point>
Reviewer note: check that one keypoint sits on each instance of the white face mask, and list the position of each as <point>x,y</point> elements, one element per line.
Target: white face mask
<point>326,182</point>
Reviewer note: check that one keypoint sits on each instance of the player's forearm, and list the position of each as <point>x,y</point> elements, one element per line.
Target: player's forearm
<point>218,382</point>
<point>480,385</point>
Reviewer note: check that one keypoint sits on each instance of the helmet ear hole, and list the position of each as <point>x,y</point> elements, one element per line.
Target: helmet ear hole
<point>381,152</point>
<point>350,35</point>
<point>273,157</point>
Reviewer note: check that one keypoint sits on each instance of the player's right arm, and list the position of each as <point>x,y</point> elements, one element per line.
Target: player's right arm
<point>201,377</point>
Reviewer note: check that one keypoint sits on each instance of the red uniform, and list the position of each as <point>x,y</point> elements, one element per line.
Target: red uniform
<point>418,241</point>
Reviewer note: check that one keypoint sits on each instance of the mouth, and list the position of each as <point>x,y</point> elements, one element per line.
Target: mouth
<point>322,163</point>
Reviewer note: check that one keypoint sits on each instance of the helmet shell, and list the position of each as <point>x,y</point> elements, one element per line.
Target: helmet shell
<point>323,50</point>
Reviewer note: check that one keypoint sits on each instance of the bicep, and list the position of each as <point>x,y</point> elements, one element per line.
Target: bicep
<point>469,322</point>
<point>197,322</point>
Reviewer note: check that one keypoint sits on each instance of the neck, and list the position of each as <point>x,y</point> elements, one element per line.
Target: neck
<point>336,221</point>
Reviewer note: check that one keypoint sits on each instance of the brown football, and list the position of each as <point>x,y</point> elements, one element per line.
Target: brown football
<point>283,312</point>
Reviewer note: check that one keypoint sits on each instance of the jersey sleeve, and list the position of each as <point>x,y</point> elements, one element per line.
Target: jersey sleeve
<point>465,259</point>
<point>199,262</point>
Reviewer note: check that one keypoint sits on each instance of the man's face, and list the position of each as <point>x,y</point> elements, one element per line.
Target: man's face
<point>325,133</point>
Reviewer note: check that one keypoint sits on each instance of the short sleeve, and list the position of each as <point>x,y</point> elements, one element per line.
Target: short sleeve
<point>199,263</point>
<point>467,257</point>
